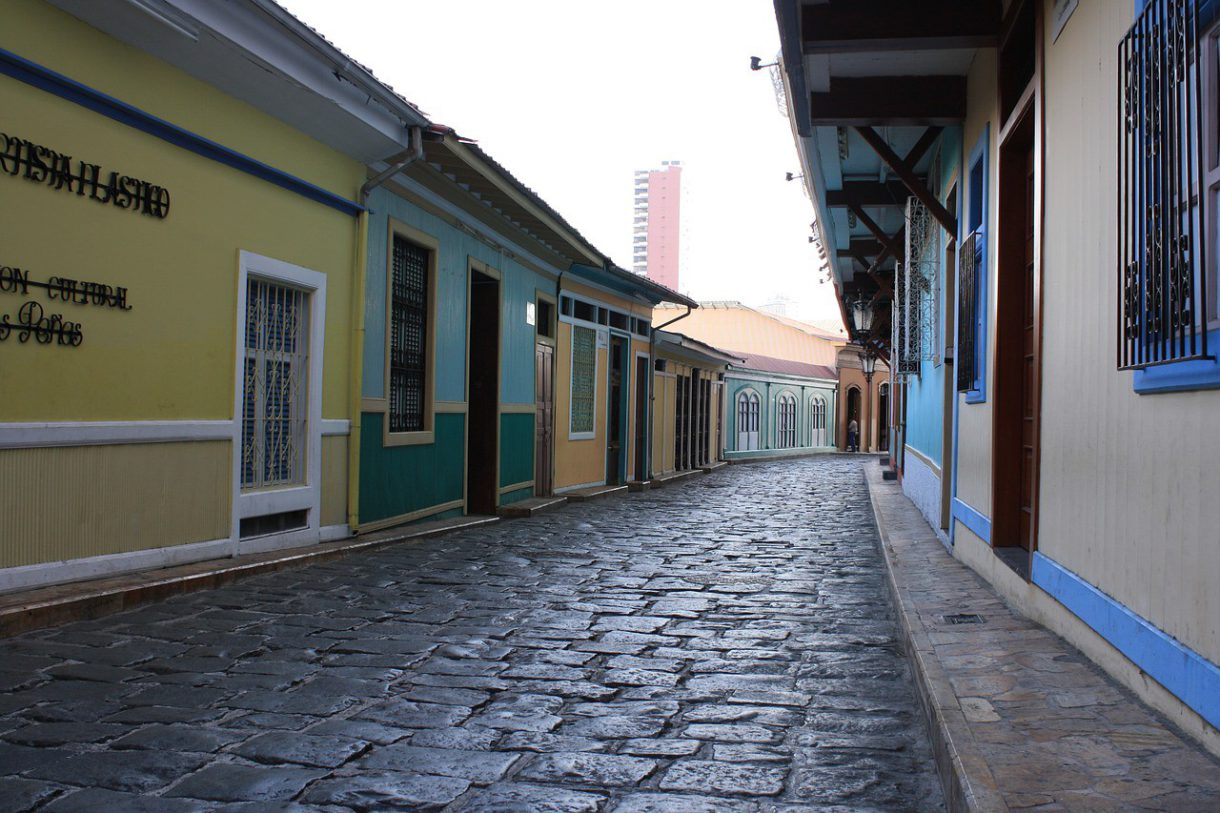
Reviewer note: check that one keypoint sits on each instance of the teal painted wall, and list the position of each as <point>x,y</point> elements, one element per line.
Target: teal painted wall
<point>399,480</point>
<point>925,417</point>
<point>769,393</point>
<point>516,496</point>
<point>516,448</point>
<point>518,285</point>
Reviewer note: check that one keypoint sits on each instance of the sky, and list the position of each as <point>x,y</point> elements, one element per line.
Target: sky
<point>573,97</point>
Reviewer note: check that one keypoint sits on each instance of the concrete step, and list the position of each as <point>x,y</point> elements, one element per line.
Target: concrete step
<point>530,507</point>
<point>662,480</point>
<point>594,492</point>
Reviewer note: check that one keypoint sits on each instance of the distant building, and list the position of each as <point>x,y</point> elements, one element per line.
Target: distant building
<point>657,219</point>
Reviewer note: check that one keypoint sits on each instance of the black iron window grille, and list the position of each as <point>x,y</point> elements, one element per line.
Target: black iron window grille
<point>967,318</point>
<point>408,335</point>
<point>1162,251</point>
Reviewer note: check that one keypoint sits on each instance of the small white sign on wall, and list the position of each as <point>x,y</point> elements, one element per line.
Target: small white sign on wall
<point>1060,13</point>
<point>603,337</point>
<point>531,314</point>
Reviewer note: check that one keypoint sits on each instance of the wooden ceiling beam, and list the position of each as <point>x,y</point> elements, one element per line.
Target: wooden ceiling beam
<point>890,100</point>
<point>848,26</point>
<point>906,173</point>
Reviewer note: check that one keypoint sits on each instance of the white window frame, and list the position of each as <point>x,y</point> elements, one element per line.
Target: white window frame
<point>307,496</point>
<point>427,435</point>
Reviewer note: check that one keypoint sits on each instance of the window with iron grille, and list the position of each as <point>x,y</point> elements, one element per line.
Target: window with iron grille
<point>584,385</point>
<point>970,353</point>
<point>275,385</point>
<point>1162,189</point>
<point>410,265</point>
<point>967,268</point>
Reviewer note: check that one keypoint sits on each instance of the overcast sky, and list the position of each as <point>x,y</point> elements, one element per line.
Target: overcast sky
<point>574,96</point>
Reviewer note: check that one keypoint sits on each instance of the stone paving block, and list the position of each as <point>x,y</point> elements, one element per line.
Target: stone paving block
<point>723,777</point>
<point>681,803</point>
<point>507,797</point>
<point>99,800</point>
<point>543,742</point>
<point>227,782</point>
<point>480,767</point>
<point>177,738</point>
<point>130,771</point>
<point>276,748</point>
<point>19,795</point>
<point>601,770</point>
<point>387,791</point>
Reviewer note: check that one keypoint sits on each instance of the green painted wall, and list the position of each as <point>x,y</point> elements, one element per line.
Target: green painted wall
<point>516,448</point>
<point>514,496</point>
<point>399,480</point>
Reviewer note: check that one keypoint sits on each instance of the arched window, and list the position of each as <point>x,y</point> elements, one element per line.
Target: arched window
<point>786,437</point>
<point>747,420</point>
<point>817,412</point>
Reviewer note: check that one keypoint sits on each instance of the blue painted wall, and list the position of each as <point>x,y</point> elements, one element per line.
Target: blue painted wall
<point>926,392</point>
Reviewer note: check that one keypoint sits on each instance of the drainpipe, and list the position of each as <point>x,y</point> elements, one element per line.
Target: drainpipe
<point>397,164</point>
<point>652,363</point>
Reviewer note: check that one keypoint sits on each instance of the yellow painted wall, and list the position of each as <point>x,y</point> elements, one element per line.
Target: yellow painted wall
<point>172,355</point>
<point>334,480</point>
<point>581,462</point>
<point>974,420</point>
<point>1127,495</point>
<point>67,503</point>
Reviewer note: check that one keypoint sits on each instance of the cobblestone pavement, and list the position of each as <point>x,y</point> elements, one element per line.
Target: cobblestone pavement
<point>725,644</point>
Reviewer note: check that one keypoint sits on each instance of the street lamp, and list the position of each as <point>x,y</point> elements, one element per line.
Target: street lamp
<point>869,364</point>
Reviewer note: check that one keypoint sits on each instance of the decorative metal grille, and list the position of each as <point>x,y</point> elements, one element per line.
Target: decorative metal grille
<point>584,367</point>
<point>275,385</point>
<point>967,315</point>
<point>408,335</point>
<point>1161,229</point>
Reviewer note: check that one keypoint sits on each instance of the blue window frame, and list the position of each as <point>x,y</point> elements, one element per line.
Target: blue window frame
<point>976,211</point>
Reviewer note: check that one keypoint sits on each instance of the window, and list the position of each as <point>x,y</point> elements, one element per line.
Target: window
<point>786,437</point>
<point>747,420</point>
<point>408,334</point>
<point>275,385</point>
<point>817,421</point>
<point>584,379</point>
<point>970,356</point>
<point>1167,151</point>
<point>583,311</point>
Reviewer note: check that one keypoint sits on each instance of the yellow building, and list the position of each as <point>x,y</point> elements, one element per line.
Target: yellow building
<point>603,363</point>
<point>687,404</point>
<point>181,223</point>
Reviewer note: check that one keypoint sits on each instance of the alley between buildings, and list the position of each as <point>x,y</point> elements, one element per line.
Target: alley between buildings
<point>723,645</point>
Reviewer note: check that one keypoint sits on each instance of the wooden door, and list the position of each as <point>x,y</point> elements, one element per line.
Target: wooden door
<point>641,418</point>
<point>1028,404</point>
<point>616,416</point>
<point>544,415</point>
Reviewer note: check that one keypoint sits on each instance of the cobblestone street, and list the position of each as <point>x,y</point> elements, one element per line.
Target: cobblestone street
<point>723,644</point>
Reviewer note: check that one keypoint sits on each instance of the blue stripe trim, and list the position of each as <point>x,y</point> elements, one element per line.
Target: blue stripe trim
<point>972,519</point>
<point>56,83</point>
<point>1187,674</point>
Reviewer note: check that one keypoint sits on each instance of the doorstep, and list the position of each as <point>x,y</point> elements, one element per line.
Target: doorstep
<point>663,480</point>
<point>593,492</point>
<point>531,507</point>
<point>709,467</point>
<point>1017,716</point>
<point>26,610</point>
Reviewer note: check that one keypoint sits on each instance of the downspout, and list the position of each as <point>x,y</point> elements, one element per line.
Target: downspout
<point>355,395</point>
<point>554,444</point>
<point>652,363</point>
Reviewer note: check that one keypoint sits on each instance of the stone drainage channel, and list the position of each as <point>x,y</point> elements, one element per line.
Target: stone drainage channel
<point>722,645</point>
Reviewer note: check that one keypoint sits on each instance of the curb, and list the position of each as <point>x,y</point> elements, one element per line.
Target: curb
<point>78,601</point>
<point>964,773</point>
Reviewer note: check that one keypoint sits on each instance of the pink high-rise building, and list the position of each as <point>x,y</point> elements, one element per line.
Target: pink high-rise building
<point>657,219</point>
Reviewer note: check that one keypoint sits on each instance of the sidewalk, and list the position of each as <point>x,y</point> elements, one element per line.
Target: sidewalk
<point>1020,720</point>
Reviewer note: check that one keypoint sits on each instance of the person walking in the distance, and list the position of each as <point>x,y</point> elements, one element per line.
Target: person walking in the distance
<point>853,436</point>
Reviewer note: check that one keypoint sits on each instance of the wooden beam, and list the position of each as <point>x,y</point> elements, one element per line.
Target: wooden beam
<point>887,243</point>
<point>850,26</point>
<point>859,246</point>
<point>904,171</point>
<point>890,100</point>
<point>868,193</point>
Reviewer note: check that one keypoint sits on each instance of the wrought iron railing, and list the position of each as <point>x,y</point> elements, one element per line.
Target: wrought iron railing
<point>1162,251</point>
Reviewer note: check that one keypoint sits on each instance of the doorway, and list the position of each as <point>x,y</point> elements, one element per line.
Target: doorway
<point>483,399</point>
<point>883,416</point>
<point>616,415</point>
<point>641,418</point>
<point>853,414</point>
<point>1016,410</point>
<point>544,411</point>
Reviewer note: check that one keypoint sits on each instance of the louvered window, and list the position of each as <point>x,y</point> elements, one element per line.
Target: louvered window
<point>584,385</point>
<point>1162,244</point>
<point>408,336</point>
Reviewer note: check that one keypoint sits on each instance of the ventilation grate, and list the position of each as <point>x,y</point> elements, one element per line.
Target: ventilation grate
<point>963,618</point>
